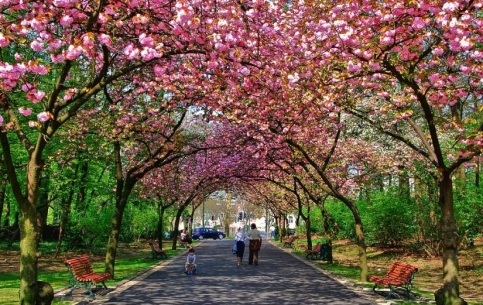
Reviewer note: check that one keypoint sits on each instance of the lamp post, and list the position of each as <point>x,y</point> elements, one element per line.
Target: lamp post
<point>203,217</point>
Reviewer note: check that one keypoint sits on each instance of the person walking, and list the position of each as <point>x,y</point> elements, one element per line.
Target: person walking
<point>240,237</point>
<point>255,244</point>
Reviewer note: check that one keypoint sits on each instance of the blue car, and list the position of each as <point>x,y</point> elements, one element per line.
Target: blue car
<point>202,233</point>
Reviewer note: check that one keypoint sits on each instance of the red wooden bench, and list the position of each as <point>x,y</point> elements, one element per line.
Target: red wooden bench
<point>158,252</point>
<point>82,275</point>
<point>399,275</point>
<point>290,242</point>
<point>311,254</point>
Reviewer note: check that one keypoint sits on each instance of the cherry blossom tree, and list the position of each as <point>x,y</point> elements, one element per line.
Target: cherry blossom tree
<point>58,56</point>
<point>407,66</point>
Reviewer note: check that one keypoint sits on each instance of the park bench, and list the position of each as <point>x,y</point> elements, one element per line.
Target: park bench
<point>290,242</point>
<point>311,254</point>
<point>82,275</point>
<point>399,275</point>
<point>157,251</point>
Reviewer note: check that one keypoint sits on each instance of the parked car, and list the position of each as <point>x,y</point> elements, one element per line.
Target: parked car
<point>202,233</point>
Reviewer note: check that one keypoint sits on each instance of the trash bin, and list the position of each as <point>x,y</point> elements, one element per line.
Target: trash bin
<point>326,253</point>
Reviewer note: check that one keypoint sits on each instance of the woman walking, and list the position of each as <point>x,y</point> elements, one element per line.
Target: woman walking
<point>240,237</point>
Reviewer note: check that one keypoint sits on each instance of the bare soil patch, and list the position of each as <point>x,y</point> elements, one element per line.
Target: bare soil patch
<point>430,275</point>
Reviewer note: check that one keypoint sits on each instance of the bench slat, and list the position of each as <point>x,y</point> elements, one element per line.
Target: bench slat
<point>399,275</point>
<point>156,251</point>
<point>81,273</point>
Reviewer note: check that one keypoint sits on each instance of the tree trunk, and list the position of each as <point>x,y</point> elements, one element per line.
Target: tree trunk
<point>448,294</point>
<point>309,234</point>
<point>3,182</point>
<point>403,181</point>
<point>116,224</point>
<point>6,217</point>
<point>29,237</point>
<point>159,228</point>
<point>64,218</point>
<point>29,226</point>
<point>361,248</point>
<point>176,226</point>
<point>477,172</point>
<point>361,243</point>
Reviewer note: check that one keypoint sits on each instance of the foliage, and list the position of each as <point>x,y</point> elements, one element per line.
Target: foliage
<point>343,219</point>
<point>90,227</point>
<point>388,218</point>
<point>469,204</point>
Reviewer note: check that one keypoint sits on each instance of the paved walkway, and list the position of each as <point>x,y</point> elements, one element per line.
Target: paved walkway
<point>280,278</point>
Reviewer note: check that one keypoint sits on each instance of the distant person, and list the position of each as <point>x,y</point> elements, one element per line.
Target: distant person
<point>190,265</point>
<point>255,244</point>
<point>184,237</point>
<point>240,237</point>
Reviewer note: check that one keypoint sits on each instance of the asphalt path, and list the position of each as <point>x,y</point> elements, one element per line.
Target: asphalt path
<point>280,278</point>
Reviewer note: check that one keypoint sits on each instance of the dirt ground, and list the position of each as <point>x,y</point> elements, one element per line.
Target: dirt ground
<point>429,277</point>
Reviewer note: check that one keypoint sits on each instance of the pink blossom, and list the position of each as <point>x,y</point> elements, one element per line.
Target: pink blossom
<point>450,7</point>
<point>1,120</point>
<point>438,51</point>
<point>105,39</point>
<point>73,52</point>
<point>27,87</point>
<point>35,96</point>
<point>68,95</point>
<point>65,3</point>
<point>374,66</point>
<point>25,111</point>
<point>418,23</point>
<point>17,56</point>
<point>245,71</point>
<point>44,116</point>
<point>293,78</point>
<point>212,64</point>
<point>66,21</point>
<point>465,43</point>
<point>465,69</point>
<point>87,42</point>
<point>147,54</point>
<point>3,41</point>
<point>134,54</point>
<point>57,58</point>
<point>103,18</point>
<point>39,69</point>
<point>387,40</point>
<point>37,45</point>
<point>477,55</point>
<point>159,70</point>
<point>146,41</point>
<point>55,44</point>
<point>354,67</point>
<point>36,25</point>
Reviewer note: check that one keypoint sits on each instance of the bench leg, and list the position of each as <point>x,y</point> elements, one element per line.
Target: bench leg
<point>391,290</point>
<point>70,291</point>
<point>85,286</point>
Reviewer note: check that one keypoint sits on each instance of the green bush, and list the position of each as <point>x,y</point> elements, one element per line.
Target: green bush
<point>388,219</point>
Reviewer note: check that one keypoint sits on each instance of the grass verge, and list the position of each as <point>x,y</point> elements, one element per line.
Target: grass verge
<point>128,265</point>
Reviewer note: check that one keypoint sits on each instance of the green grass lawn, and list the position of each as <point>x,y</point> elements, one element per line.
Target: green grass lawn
<point>126,267</point>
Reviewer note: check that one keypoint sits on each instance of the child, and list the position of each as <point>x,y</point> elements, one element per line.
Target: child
<point>190,265</point>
